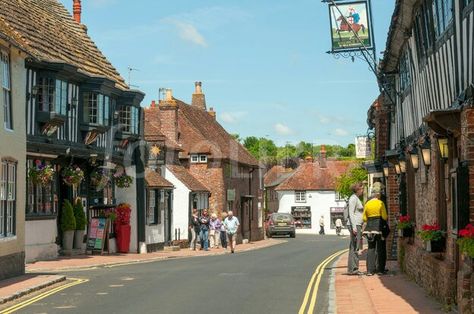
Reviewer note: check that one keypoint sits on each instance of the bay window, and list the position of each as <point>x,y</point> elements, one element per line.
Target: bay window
<point>6,89</point>
<point>96,108</point>
<point>442,15</point>
<point>52,95</point>
<point>128,119</point>
<point>7,198</point>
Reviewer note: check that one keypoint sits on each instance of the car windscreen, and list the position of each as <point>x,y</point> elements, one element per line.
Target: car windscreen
<point>282,217</point>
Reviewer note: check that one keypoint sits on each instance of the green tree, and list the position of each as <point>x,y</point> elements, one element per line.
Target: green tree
<point>236,137</point>
<point>352,175</point>
<point>304,149</point>
<point>68,222</point>
<point>79,215</point>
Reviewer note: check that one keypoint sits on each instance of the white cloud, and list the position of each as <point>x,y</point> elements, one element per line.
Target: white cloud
<point>340,132</point>
<point>189,32</point>
<point>324,119</point>
<point>232,117</point>
<point>282,129</point>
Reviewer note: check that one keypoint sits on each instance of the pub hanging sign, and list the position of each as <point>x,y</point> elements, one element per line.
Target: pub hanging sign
<point>351,27</point>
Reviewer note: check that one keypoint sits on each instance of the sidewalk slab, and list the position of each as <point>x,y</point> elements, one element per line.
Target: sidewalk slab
<point>65,263</point>
<point>14,288</point>
<point>390,293</point>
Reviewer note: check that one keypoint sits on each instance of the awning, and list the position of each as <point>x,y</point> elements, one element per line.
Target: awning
<point>445,121</point>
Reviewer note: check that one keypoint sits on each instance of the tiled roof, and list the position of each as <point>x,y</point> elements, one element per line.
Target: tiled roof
<point>276,175</point>
<point>154,180</point>
<point>152,125</point>
<point>201,133</point>
<point>188,180</point>
<point>310,176</point>
<point>46,30</point>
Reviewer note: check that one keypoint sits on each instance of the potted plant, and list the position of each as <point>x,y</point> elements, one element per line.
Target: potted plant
<point>122,227</point>
<point>81,222</point>
<point>99,179</point>
<point>68,225</point>
<point>466,241</point>
<point>122,180</point>
<point>433,237</point>
<point>41,173</point>
<point>72,175</point>
<point>405,226</point>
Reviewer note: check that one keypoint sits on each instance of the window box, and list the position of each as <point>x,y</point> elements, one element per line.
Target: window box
<point>435,246</point>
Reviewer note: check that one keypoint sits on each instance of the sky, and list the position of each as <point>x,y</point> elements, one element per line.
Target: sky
<point>263,64</point>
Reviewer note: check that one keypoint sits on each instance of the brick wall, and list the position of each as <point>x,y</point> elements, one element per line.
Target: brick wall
<point>169,120</point>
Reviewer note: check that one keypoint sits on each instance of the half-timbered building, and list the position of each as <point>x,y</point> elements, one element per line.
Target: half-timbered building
<point>424,124</point>
<point>78,111</point>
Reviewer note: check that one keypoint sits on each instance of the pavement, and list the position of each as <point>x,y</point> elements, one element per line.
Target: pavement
<point>393,292</point>
<point>269,277</point>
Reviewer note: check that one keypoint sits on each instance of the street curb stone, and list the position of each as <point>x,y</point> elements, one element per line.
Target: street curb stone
<point>29,290</point>
<point>332,301</point>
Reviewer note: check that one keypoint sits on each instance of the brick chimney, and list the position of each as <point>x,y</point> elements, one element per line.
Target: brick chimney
<point>322,157</point>
<point>76,10</point>
<point>198,100</point>
<point>169,116</point>
<point>212,113</point>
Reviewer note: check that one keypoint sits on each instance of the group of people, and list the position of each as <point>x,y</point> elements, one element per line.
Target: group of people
<point>370,221</point>
<point>213,232</point>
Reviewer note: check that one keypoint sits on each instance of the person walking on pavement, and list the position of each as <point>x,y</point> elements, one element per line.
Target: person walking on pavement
<point>338,224</point>
<point>194,227</point>
<point>214,231</point>
<point>321,225</point>
<point>354,225</point>
<point>204,229</point>
<point>374,216</point>
<point>222,232</point>
<point>231,225</point>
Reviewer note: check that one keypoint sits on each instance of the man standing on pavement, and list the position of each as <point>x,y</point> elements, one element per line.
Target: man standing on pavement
<point>204,230</point>
<point>354,226</point>
<point>321,225</point>
<point>231,225</point>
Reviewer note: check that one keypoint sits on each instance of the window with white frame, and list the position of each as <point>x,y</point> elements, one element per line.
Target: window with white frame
<point>41,198</point>
<point>46,88</point>
<point>300,196</point>
<point>194,158</point>
<point>151,217</point>
<point>96,108</point>
<point>128,119</point>
<point>442,15</point>
<point>203,158</point>
<point>405,77</point>
<point>6,90</point>
<point>7,199</point>
<point>60,104</point>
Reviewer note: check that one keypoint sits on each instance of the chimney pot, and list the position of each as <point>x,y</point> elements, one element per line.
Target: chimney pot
<point>212,113</point>
<point>168,94</point>
<point>198,87</point>
<point>76,10</point>
<point>153,104</point>
<point>198,99</point>
<point>322,158</point>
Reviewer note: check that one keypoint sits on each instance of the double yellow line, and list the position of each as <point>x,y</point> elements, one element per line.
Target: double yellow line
<point>16,307</point>
<point>318,274</point>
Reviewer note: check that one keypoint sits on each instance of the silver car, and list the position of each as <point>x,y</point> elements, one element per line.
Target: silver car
<point>280,223</point>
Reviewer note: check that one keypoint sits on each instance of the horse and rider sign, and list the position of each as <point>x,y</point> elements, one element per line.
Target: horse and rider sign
<point>351,25</point>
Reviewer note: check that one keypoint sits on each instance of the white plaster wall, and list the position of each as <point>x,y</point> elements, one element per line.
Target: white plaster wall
<point>129,195</point>
<point>320,202</point>
<point>40,240</point>
<point>180,206</point>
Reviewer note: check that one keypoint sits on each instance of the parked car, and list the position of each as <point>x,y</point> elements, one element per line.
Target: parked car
<point>280,223</point>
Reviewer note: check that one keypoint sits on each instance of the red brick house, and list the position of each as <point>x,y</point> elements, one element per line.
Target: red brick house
<point>196,141</point>
<point>276,175</point>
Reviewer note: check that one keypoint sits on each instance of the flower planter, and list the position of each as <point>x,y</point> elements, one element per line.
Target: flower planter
<point>123,237</point>
<point>435,246</point>
<point>78,239</point>
<point>405,233</point>
<point>68,240</point>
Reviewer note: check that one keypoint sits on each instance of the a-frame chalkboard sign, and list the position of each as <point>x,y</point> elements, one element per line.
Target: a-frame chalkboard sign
<point>98,235</point>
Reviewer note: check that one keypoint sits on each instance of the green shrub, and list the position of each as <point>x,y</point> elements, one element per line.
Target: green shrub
<point>68,222</point>
<point>79,215</point>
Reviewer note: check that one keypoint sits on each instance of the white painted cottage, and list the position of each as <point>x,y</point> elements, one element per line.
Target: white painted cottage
<point>309,193</point>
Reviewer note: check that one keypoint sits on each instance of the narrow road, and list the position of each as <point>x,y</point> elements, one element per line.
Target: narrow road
<point>269,280</point>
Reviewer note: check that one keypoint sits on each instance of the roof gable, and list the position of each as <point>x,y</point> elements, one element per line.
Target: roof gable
<point>46,30</point>
<point>183,175</point>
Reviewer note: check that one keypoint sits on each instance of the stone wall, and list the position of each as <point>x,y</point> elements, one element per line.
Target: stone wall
<point>12,265</point>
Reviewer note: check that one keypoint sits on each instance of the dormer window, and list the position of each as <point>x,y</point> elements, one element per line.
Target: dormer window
<point>96,108</point>
<point>203,158</point>
<point>52,95</point>
<point>128,119</point>
<point>195,158</point>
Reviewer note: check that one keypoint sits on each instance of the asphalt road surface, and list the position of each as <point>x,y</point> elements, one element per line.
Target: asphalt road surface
<point>269,280</point>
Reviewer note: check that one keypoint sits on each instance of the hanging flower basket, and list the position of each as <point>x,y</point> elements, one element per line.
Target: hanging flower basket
<point>466,241</point>
<point>99,179</point>
<point>41,173</point>
<point>121,179</point>
<point>72,175</point>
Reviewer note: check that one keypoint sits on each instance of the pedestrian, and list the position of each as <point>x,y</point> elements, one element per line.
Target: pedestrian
<point>223,235</point>
<point>375,217</point>
<point>321,225</point>
<point>338,224</point>
<point>194,227</point>
<point>231,224</point>
<point>354,225</point>
<point>214,231</point>
<point>204,229</point>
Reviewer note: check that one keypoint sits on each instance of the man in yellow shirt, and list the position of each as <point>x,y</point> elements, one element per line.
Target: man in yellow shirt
<point>374,213</point>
